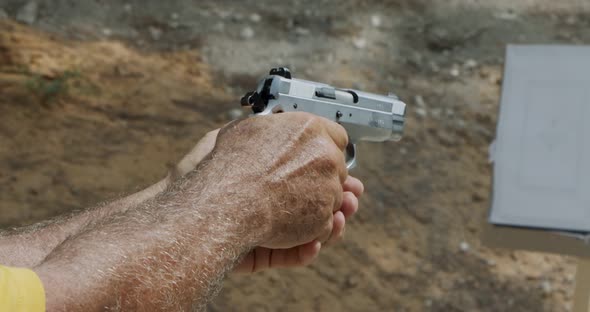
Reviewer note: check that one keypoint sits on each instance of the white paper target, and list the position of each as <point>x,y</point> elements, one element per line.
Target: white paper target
<point>542,150</point>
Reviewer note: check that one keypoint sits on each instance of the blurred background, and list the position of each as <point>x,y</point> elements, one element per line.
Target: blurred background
<point>99,98</point>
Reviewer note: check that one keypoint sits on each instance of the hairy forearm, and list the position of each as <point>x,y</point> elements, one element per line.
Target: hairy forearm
<point>168,253</point>
<point>28,246</point>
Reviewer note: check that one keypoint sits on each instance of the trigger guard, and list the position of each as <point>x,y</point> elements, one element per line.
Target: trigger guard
<point>350,156</point>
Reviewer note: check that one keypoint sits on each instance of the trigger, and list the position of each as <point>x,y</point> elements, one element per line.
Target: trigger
<point>350,156</point>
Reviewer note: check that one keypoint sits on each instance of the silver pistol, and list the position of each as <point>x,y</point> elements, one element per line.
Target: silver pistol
<point>365,116</point>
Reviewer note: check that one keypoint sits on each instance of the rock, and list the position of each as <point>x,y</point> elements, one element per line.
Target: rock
<point>351,281</point>
<point>436,112</point>
<point>464,246</point>
<point>358,85</point>
<point>414,60</point>
<point>300,31</point>
<point>290,23</point>
<point>127,7</point>
<point>470,64</point>
<point>273,276</point>
<point>449,112</point>
<point>434,66</point>
<point>507,15</point>
<point>174,16</point>
<point>359,43</point>
<point>445,35</point>
<point>571,20</point>
<point>235,113</point>
<point>454,72</point>
<point>255,18</point>
<point>155,33</point>
<point>224,14</point>
<point>28,13</point>
<point>403,150</point>
<point>330,58</point>
<point>376,20</point>
<point>447,138</point>
<point>428,303</point>
<point>219,26</point>
<point>247,33</point>
<point>476,197</point>
<point>546,287</point>
<point>238,17</point>
<point>107,32</point>
<point>419,101</point>
<point>491,262</point>
<point>461,124</point>
<point>422,213</point>
<point>420,111</point>
<point>3,14</point>
<point>439,38</point>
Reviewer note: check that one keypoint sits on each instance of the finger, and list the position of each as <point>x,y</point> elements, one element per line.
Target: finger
<point>247,263</point>
<point>341,166</point>
<point>297,256</point>
<point>262,258</point>
<point>350,204</point>
<point>354,185</point>
<point>337,228</point>
<point>337,133</point>
<point>338,199</point>
<point>327,230</point>
<point>255,261</point>
<point>308,252</point>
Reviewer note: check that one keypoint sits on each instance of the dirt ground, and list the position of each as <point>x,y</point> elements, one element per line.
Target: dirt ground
<point>99,98</point>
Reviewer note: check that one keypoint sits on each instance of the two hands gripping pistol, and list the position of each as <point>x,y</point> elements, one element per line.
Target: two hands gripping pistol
<point>365,116</point>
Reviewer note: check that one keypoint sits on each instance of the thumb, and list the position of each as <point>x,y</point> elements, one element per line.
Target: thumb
<point>197,154</point>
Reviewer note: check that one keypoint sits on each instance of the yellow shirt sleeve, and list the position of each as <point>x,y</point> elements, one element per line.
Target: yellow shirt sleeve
<point>21,290</point>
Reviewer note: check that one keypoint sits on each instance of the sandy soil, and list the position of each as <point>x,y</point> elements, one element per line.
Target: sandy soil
<point>137,84</point>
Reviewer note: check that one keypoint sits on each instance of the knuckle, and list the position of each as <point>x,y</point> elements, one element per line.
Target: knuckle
<point>343,133</point>
<point>336,160</point>
<point>327,218</point>
<point>303,117</point>
<point>329,164</point>
<point>337,188</point>
<point>335,155</point>
<point>326,233</point>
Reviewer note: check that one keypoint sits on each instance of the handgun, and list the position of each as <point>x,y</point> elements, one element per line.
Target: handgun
<point>365,116</point>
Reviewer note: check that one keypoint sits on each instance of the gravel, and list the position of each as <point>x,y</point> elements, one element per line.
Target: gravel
<point>247,33</point>
<point>28,13</point>
<point>359,43</point>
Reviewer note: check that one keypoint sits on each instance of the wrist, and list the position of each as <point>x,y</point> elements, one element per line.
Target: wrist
<point>228,201</point>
